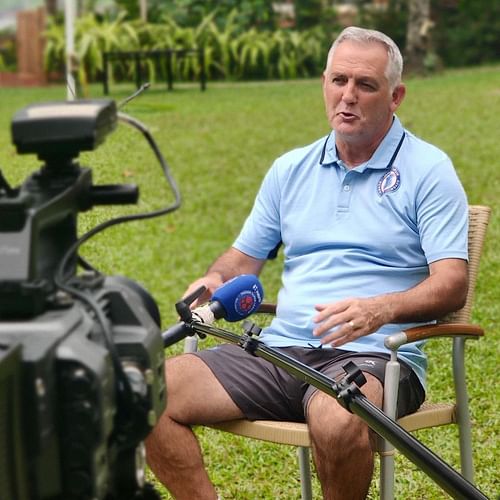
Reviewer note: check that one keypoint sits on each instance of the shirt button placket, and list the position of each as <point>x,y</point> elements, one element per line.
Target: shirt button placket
<point>345,195</point>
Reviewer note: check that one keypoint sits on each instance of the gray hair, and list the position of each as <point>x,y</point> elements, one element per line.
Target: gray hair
<point>394,68</point>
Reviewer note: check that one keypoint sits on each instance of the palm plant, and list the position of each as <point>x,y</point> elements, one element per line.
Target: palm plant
<point>93,38</point>
<point>224,43</point>
<point>228,51</point>
<point>154,37</point>
<point>55,46</point>
<point>298,53</point>
<point>183,39</point>
<point>284,52</point>
<point>312,51</point>
<point>253,50</point>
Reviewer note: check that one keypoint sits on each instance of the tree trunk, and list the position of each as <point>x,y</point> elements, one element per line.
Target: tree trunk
<point>51,7</point>
<point>143,9</point>
<point>418,36</point>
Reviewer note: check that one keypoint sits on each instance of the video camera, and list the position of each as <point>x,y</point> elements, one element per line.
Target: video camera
<point>81,355</point>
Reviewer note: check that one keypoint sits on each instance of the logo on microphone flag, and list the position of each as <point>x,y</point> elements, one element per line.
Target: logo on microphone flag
<point>247,301</point>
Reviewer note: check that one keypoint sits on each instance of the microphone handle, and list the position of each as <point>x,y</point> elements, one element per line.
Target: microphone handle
<point>207,314</point>
<point>176,333</point>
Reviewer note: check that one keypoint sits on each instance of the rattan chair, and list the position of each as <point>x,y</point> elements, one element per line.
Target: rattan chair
<point>456,326</point>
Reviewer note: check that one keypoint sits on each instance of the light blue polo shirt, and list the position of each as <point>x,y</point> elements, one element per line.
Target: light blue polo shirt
<point>355,233</point>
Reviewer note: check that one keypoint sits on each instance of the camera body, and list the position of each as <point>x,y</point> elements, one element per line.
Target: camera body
<point>74,407</point>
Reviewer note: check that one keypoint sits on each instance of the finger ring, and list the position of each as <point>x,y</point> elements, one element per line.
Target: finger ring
<point>351,324</point>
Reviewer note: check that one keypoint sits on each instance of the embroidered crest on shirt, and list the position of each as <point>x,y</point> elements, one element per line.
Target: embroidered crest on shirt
<point>389,182</point>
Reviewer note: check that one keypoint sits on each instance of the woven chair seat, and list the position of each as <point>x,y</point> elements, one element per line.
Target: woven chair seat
<point>296,433</point>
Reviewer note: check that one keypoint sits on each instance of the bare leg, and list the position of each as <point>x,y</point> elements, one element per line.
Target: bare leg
<point>194,396</point>
<point>342,445</point>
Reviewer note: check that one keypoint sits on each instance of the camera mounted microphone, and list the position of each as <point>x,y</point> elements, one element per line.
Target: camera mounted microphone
<point>233,301</point>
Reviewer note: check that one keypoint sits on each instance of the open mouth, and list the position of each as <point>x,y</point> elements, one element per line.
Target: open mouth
<point>346,115</point>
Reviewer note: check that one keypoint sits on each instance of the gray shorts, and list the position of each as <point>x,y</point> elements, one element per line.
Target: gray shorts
<point>263,391</point>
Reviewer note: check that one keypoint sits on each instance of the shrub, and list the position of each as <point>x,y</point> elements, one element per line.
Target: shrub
<point>229,52</point>
<point>469,32</point>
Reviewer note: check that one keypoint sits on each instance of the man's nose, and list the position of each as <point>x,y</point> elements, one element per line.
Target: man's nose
<point>349,93</point>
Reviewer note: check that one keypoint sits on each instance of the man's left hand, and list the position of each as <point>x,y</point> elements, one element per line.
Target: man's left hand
<point>350,318</point>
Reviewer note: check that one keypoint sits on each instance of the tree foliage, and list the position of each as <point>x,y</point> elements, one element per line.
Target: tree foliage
<point>240,41</point>
<point>249,13</point>
<point>229,51</point>
<point>467,32</point>
<point>464,33</point>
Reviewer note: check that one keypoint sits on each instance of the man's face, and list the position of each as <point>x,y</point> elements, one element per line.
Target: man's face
<point>358,100</point>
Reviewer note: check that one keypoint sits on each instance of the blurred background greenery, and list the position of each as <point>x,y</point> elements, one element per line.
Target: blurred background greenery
<point>219,144</point>
<point>263,61</point>
<point>257,39</point>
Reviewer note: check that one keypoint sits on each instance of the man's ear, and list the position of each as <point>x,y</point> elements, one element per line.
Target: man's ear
<point>398,95</point>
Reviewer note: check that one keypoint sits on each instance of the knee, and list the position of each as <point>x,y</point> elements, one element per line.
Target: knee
<point>332,427</point>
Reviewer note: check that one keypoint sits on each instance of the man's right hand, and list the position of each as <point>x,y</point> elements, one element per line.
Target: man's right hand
<point>210,281</point>
<point>230,264</point>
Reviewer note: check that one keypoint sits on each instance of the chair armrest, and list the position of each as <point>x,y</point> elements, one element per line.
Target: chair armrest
<point>393,342</point>
<point>266,308</point>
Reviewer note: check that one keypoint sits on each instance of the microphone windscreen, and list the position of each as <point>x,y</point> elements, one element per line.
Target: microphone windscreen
<point>240,296</point>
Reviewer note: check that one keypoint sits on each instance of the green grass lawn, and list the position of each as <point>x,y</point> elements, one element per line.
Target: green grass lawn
<point>219,144</point>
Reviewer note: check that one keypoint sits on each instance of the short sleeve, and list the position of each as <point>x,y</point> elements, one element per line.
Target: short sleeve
<point>261,233</point>
<point>442,214</point>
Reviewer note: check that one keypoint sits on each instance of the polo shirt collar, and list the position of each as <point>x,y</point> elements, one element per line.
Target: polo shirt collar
<point>382,157</point>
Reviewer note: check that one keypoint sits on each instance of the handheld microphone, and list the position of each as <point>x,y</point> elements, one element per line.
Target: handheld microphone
<point>234,300</point>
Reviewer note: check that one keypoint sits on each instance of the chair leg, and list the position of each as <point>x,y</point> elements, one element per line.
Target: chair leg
<point>191,344</point>
<point>463,416</point>
<point>305,473</point>
<point>391,385</point>
<point>386,480</point>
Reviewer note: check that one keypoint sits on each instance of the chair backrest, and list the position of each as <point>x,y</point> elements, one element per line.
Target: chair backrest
<point>479,216</point>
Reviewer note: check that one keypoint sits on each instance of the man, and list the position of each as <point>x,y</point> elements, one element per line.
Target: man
<point>373,222</point>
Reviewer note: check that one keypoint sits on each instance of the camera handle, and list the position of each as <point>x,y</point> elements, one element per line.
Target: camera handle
<point>347,393</point>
